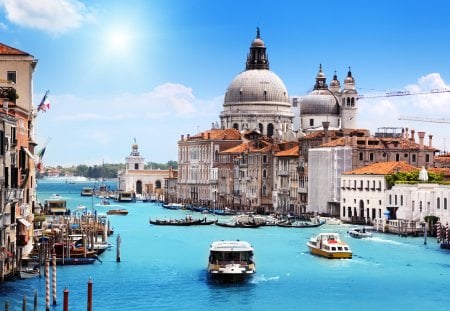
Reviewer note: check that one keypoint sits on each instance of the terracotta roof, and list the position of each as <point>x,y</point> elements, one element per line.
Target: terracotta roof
<point>382,168</point>
<point>218,134</point>
<point>443,159</point>
<point>250,146</point>
<point>8,50</point>
<point>293,152</point>
<point>237,149</point>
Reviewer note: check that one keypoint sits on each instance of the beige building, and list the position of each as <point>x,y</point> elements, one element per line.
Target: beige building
<point>144,183</point>
<point>198,158</point>
<point>17,174</point>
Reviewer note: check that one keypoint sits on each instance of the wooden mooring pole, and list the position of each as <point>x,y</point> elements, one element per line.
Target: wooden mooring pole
<point>119,240</point>
<point>66,300</point>
<point>89,297</point>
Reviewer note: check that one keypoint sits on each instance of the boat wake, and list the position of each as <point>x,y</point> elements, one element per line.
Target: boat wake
<point>380,240</point>
<point>262,278</point>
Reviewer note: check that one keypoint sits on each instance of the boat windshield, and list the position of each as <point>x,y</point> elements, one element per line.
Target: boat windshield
<point>230,256</point>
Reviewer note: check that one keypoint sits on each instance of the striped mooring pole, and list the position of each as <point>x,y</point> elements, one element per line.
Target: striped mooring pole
<point>47,284</point>
<point>54,278</point>
<point>438,232</point>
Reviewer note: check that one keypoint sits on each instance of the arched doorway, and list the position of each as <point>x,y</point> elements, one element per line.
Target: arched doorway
<point>361,209</point>
<point>158,184</point>
<point>139,187</point>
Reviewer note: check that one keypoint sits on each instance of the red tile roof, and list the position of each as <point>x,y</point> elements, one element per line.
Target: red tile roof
<point>382,168</point>
<point>293,152</point>
<point>218,134</point>
<point>8,50</point>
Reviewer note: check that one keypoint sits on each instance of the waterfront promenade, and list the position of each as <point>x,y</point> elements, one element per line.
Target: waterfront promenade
<point>163,268</point>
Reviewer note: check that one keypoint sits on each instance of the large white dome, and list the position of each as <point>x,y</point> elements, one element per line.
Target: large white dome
<point>258,85</point>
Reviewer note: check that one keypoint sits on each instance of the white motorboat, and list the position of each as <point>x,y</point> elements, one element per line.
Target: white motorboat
<point>359,233</point>
<point>29,272</point>
<point>329,245</point>
<point>231,261</point>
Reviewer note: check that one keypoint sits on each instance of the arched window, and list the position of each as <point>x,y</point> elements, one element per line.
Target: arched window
<point>158,184</point>
<point>261,128</point>
<point>353,102</point>
<point>216,156</point>
<point>438,203</point>
<point>236,126</point>
<point>264,190</point>
<point>264,173</point>
<point>270,130</point>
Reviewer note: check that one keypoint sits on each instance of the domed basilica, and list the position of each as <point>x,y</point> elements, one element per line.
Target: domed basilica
<point>257,98</point>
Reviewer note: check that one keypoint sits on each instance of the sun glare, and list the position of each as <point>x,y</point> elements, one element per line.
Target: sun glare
<point>118,40</point>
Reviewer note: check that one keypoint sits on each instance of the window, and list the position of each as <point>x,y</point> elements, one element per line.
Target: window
<point>311,122</point>
<point>413,158</point>
<point>397,157</point>
<point>438,203</point>
<point>265,158</point>
<point>445,203</point>
<point>264,174</point>
<point>371,156</point>
<point>136,166</point>
<point>11,76</point>
<point>361,156</point>
<point>270,130</point>
<point>427,158</point>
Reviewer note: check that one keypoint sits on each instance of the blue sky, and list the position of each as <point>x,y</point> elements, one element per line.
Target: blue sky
<point>155,70</point>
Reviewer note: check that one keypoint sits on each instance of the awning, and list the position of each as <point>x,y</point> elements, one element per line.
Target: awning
<point>29,153</point>
<point>24,222</point>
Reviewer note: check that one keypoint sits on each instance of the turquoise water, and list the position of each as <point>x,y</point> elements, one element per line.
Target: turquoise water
<point>163,268</point>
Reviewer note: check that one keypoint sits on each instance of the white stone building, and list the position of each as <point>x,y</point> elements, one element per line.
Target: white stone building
<point>325,166</point>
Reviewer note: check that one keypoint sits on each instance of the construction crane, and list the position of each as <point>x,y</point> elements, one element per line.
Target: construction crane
<point>405,93</point>
<point>425,119</point>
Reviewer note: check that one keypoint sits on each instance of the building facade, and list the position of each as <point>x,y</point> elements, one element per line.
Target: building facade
<point>17,174</point>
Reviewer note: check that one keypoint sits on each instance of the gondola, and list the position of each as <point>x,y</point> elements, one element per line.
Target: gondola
<point>181,222</point>
<point>239,225</point>
<point>299,224</point>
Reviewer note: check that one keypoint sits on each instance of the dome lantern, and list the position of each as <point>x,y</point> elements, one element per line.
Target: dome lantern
<point>257,58</point>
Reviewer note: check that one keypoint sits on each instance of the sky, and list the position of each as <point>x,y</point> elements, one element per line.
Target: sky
<point>151,71</point>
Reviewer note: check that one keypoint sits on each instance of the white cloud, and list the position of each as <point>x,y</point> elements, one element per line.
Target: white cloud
<point>104,127</point>
<point>426,103</point>
<point>3,26</point>
<point>52,16</point>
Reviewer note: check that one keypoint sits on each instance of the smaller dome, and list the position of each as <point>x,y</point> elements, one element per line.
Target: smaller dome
<point>257,43</point>
<point>349,79</point>
<point>319,103</point>
<point>335,82</point>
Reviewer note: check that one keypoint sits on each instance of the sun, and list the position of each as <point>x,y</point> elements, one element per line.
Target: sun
<point>118,40</point>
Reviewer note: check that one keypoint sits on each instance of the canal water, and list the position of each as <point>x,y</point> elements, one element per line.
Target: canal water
<point>163,268</point>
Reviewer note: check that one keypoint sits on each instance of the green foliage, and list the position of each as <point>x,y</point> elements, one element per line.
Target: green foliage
<point>411,178</point>
<point>107,171</point>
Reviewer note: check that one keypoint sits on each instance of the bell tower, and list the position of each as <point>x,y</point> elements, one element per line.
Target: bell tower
<point>349,102</point>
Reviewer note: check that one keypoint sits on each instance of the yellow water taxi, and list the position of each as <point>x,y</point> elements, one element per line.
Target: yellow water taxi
<point>329,245</point>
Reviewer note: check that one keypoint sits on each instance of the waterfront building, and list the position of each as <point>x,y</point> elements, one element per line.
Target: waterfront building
<point>363,192</point>
<point>198,158</point>
<point>17,161</point>
<point>142,182</point>
<point>286,192</point>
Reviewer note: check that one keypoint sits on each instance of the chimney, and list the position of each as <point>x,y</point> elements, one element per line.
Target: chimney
<point>430,138</point>
<point>421,137</point>
<point>182,137</point>
<point>209,135</point>
<point>354,141</point>
<point>187,136</point>
<point>412,135</point>
<point>325,125</point>
<point>406,133</point>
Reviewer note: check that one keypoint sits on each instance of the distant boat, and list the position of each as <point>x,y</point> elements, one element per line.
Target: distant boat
<point>299,224</point>
<point>182,222</point>
<point>173,206</point>
<point>359,233</point>
<point>29,272</point>
<point>121,211</point>
<point>87,192</point>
